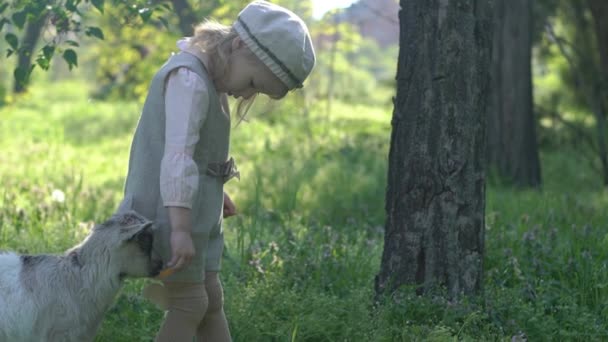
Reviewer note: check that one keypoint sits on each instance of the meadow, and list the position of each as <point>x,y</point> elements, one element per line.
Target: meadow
<point>303,252</point>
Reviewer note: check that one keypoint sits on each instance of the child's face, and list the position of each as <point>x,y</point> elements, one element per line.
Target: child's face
<point>246,75</point>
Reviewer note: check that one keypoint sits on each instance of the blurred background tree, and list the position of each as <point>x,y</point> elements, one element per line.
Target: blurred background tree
<point>550,63</point>
<point>560,49</point>
<point>138,35</point>
<point>570,99</point>
<point>511,140</point>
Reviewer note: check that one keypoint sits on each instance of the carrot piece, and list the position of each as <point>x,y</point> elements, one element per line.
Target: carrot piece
<point>166,272</point>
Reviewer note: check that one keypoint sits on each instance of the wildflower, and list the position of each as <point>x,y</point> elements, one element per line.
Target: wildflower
<point>58,196</point>
<point>257,264</point>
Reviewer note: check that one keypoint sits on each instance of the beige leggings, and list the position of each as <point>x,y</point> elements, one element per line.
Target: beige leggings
<point>195,309</point>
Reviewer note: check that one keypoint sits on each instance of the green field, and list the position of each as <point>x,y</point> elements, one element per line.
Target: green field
<point>302,255</point>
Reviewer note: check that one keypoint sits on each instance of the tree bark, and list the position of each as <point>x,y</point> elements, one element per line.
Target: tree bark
<point>589,73</point>
<point>512,147</point>
<point>33,30</point>
<point>435,199</point>
<point>599,11</point>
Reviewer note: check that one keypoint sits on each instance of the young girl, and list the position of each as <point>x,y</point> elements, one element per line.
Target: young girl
<point>179,155</point>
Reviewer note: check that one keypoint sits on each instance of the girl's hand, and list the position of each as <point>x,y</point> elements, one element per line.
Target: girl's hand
<point>229,207</point>
<point>182,248</point>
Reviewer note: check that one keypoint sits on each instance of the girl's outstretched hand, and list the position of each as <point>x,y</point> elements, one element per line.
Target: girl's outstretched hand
<point>229,207</point>
<point>182,248</point>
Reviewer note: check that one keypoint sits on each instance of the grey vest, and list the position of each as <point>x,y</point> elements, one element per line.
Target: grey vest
<point>142,187</point>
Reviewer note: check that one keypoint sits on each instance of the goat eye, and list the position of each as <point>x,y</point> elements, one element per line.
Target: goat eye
<point>145,241</point>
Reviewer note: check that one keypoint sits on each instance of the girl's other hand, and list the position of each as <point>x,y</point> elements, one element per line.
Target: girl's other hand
<point>229,207</point>
<point>182,248</point>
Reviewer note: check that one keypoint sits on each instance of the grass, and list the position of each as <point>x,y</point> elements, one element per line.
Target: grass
<point>302,255</point>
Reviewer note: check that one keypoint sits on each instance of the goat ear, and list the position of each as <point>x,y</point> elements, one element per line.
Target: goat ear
<point>123,220</point>
<point>133,231</point>
<point>129,218</point>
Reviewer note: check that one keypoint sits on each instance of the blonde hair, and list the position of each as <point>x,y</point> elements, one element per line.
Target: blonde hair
<point>215,39</point>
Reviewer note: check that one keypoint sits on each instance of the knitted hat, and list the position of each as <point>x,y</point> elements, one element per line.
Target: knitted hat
<point>279,38</point>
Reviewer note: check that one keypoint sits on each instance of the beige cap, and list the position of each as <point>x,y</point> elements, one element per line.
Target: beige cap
<point>279,38</point>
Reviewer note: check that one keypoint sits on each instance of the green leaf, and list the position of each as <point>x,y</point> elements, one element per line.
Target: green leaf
<point>71,58</point>
<point>145,14</point>
<point>22,75</point>
<point>9,52</point>
<point>164,22</point>
<point>43,62</point>
<point>72,43</point>
<point>70,5</point>
<point>37,9</point>
<point>3,6</point>
<point>12,40</point>
<point>2,22</point>
<point>98,4</point>
<point>19,18</point>
<point>48,51</point>
<point>94,31</point>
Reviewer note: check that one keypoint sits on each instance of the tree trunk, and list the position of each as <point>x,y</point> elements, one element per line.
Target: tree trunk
<point>590,74</point>
<point>435,199</point>
<point>332,66</point>
<point>599,11</point>
<point>186,16</point>
<point>512,147</point>
<point>33,29</point>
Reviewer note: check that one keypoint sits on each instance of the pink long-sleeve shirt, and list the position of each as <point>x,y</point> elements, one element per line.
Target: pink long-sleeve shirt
<point>185,94</point>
